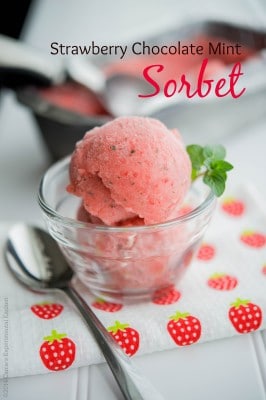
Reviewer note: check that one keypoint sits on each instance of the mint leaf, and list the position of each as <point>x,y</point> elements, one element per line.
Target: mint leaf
<point>208,162</point>
<point>216,182</point>
<point>195,153</point>
<point>194,174</point>
<point>215,152</point>
<point>221,165</point>
<point>207,152</point>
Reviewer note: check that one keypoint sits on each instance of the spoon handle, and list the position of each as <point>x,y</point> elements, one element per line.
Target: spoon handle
<point>133,385</point>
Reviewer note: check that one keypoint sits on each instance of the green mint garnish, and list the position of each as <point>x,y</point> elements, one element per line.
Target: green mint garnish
<point>209,162</point>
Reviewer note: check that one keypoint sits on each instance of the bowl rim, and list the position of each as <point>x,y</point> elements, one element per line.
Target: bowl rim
<point>208,203</point>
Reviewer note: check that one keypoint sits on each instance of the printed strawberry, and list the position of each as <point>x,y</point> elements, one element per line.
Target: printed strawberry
<point>206,252</point>
<point>185,209</point>
<point>222,281</point>
<point>264,269</point>
<point>245,316</point>
<point>166,296</point>
<point>253,239</point>
<point>107,306</point>
<point>184,328</point>
<point>58,351</point>
<point>233,206</point>
<point>125,336</point>
<point>47,310</point>
<point>187,257</point>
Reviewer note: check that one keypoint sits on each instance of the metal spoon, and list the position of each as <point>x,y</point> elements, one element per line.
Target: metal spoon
<point>35,260</point>
<point>118,92</point>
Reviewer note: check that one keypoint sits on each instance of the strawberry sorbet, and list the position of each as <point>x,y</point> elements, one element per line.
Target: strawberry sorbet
<point>132,169</point>
<point>135,174</point>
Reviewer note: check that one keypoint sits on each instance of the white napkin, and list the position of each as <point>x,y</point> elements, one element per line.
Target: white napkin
<point>230,268</point>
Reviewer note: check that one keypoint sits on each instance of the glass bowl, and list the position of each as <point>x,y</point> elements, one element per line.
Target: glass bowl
<point>124,263</point>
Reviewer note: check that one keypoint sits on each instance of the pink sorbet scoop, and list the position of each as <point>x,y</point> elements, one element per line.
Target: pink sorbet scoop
<point>131,168</point>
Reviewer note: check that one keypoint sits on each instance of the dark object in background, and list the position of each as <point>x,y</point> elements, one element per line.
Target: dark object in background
<point>60,128</point>
<point>47,90</point>
<point>74,97</point>
<point>12,17</point>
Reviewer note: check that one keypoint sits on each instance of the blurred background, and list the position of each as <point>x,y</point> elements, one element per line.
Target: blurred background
<point>39,126</point>
<point>13,16</point>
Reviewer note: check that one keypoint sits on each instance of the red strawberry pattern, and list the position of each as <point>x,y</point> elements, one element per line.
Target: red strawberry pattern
<point>184,329</point>
<point>253,239</point>
<point>222,281</point>
<point>185,209</point>
<point>187,258</point>
<point>166,296</point>
<point>107,306</point>
<point>233,207</point>
<point>206,252</point>
<point>47,310</point>
<point>245,316</point>
<point>58,351</point>
<point>126,337</point>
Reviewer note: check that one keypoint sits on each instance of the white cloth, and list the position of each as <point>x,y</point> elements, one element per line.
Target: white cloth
<point>22,331</point>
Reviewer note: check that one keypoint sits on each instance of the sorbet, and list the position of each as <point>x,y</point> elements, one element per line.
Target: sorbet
<point>130,169</point>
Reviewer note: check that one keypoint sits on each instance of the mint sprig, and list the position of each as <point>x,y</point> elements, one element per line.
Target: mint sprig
<point>209,162</point>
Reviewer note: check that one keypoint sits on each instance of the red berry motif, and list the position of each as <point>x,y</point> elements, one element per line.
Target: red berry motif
<point>186,209</point>
<point>184,328</point>
<point>253,239</point>
<point>233,207</point>
<point>206,252</point>
<point>245,316</point>
<point>107,306</point>
<point>187,258</point>
<point>264,269</point>
<point>166,296</point>
<point>125,336</point>
<point>58,351</point>
<point>222,282</point>
<point>47,310</point>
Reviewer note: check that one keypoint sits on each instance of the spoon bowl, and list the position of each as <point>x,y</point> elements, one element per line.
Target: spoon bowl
<point>31,253</point>
<point>118,92</point>
<point>36,261</point>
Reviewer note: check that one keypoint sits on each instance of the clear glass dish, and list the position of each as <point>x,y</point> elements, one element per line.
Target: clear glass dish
<point>124,263</point>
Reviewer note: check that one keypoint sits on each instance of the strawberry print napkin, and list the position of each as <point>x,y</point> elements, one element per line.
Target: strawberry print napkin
<point>223,294</point>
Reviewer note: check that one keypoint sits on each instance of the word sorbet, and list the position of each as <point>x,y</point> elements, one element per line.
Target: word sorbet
<point>198,86</point>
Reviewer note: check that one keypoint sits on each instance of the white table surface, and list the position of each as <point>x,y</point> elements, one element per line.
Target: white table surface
<point>229,369</point>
